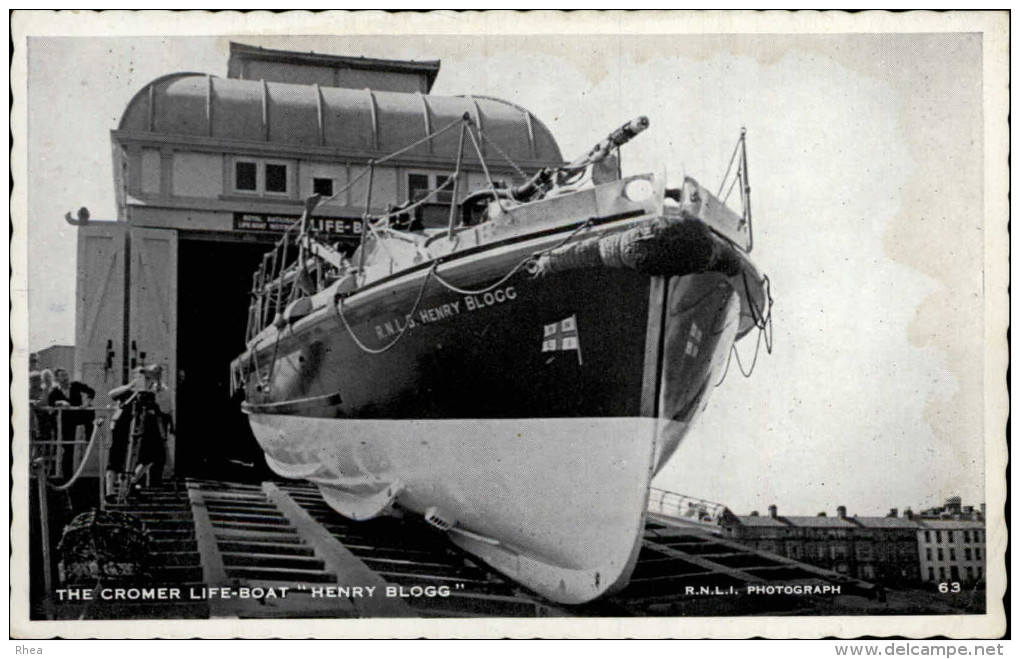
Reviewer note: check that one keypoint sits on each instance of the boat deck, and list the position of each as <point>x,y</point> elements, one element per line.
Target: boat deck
<point>277,550</point>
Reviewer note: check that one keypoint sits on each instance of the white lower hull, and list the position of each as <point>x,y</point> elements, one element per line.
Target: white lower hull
<point>556,504</point>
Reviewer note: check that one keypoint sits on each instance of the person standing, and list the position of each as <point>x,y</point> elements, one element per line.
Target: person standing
<point>78,396</point>
<point>139,411</point>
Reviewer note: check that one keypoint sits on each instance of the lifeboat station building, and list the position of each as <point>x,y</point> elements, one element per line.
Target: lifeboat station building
<point>209,171</point>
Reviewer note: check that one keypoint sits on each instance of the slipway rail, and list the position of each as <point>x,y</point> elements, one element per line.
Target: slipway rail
<point>277,550</point>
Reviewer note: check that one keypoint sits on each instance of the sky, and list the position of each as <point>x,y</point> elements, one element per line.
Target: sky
<point>865,156</point>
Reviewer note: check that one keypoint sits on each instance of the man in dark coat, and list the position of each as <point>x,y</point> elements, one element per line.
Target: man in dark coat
<point>78,396</point>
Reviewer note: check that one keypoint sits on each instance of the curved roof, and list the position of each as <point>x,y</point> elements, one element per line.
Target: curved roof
<point>373,123</point>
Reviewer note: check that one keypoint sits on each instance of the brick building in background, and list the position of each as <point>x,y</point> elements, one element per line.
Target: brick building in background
<point>940,545</point>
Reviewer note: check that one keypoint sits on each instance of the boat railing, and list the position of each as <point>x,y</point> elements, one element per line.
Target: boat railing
<point>687,508</point>
<point>694,200</point>
<point>301,264</point>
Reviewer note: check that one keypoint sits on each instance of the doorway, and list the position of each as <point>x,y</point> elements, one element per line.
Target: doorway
<point>214,283</point>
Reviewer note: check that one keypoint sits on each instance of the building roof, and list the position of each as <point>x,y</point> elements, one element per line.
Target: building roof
<point>759,521</point>
<point>952,524</point>
<point>358,123</point>
<point>887,522</point>
<point>241,53</point>
<point>820,522</point>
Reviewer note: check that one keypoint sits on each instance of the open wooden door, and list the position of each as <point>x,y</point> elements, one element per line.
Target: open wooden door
<point>99,331</point>
<point>153,312</point>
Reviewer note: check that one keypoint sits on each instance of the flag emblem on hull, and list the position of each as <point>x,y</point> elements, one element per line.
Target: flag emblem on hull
<point>562,336</point>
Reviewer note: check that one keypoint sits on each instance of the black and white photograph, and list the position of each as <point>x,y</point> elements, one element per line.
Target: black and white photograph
<point>507,324</point>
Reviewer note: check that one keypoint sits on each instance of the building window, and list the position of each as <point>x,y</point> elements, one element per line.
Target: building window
<point>977,553</point>
<point>954,572</point>
<point>980,572</point>
<point>970,573</point>
<point>938,536</point>
<point>952,554</point>
<point>276,178</point>
<point>950,533</point>
<point>966,536</point>
<point>931,574</point>
<point>942,574</point>
<point>928,553</point>
<point>261,177</point>
<point>979,536</point>
<point>420,185</point>
<point>940,554</point>
<point>417,186</point>
<point>966,553</point>
<point>322,186</point>
<point>246,176</point>
<point>927,536</point>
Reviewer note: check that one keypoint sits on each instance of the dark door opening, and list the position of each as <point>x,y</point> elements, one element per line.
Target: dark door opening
<point>214,282</point>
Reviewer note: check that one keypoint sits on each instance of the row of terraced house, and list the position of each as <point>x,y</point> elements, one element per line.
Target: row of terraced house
<point>940,545</point>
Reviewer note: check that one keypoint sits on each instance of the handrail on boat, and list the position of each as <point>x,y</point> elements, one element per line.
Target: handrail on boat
<point>283,277</point>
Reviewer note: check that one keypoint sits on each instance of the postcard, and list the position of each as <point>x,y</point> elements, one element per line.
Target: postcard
<point>509,324</point>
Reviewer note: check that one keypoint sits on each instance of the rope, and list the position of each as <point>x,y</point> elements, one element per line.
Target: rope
<point>423,200</point>
<point>433,273</point>
<point>481,159</point>
<point>84,460</point>
<point>378,351</point>
<point>730,166</point>
<point>503,280</point>
<point>513,271</point>
<point>500,151</point>
<point>736,179</point>
<point>764,324</point>
<point>762,321</point>
<point>455,122</point>
<point>407,148</point>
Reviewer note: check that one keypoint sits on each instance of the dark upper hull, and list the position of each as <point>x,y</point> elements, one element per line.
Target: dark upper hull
<point>456,355</point>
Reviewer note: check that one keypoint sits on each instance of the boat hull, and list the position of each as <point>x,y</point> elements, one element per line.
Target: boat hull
<point>528,492</point>
<point>529,419</point>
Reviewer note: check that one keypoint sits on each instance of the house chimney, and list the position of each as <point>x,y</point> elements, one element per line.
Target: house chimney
<point>822,514</point>
<point>773,511</point>
<point>893,512</point>
<point>754,513</point>
<point>841,512</point>
<point>908,513</point>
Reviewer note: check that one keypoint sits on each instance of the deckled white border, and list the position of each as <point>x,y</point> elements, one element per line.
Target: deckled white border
<point>995,29</point>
